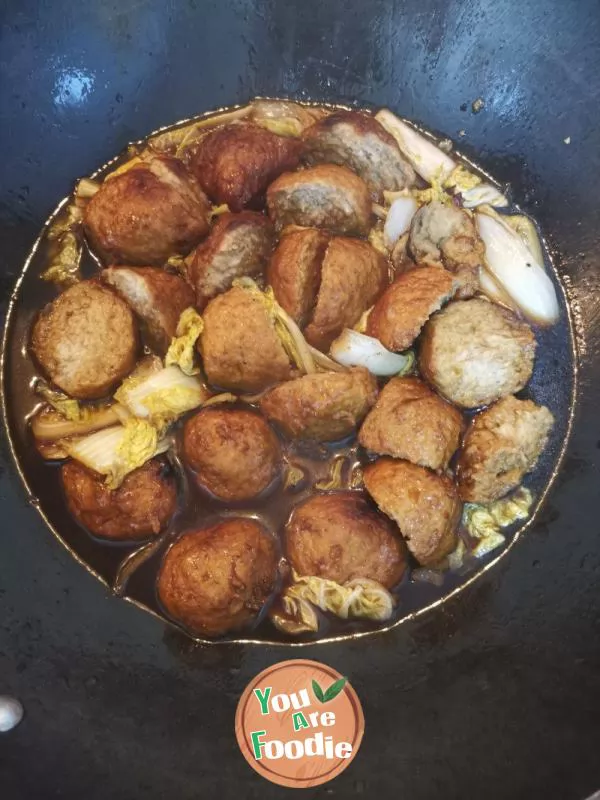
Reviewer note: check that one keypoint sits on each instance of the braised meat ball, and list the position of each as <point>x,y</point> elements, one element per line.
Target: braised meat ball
<point>444,235</point>
<point>239,345</point>
<point>400,313</point>
<point>148,213</point>
<point>353,275</point>
<point>233,452</point>
<point>502,444</point>
<point>235,163</point>
<point>239,244</point>
<point>358,141</point>
<point>217,579</point>
<point>157,297</point>
<point>325,406</point>
<point>425,506</point>
<point>410,421</point>
<point>86,340</point>
<point>294,272</point>
<point>326,196</point>
<point>140,508</point>
<point>475,352</point>
<point>341,537</point>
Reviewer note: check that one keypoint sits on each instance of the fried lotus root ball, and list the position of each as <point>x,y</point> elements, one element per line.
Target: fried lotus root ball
<point>233,452</point>
<point>238,245</point>
<point>353,275</point>
<point>502,444</point>
<point>157,297</point>
<point>358,141</point>
<point>425,506</point>
<point>140,508</point>
<point>235,163</point>
<point>324,406</point>
<point>153,210</point>
<point>444,235</point>
<point>400,313</point>
<point>341,537</point>
<point>410,421</point>
<point>239,345</point>
<point>326,196</point>
<point>217,579</point>
<point>294,272</point>
<point>86,340</point>
<point>475,352</point>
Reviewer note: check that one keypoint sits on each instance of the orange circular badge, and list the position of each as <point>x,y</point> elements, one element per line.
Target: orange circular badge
<point>299,723</point>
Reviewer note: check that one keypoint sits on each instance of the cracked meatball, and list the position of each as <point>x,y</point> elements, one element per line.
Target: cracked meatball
<point>358,141</point>
<point>341,537</point>
<point>157,297</point>
<point>217,579</point>
<point>240,347</point>
<point>140,508</point>
<point>444,235</point>
<point>475,352</point>
<point>152,211</point>
<point>353,275</point>
<point>400,313</point>
<point>238,245</point>
<point>502,444</point>
<point>235,163</point>
<point>410,421</point>
<point>233,452</point>
<point>86,340</point>
<point>326,196</point>
<point>325,406</point>
<point>295,271</point>
<point>425,506</point>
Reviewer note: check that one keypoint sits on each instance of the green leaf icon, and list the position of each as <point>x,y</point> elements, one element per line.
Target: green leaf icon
<point>331,693</point>
<point>334,689</point>
<point>318,692</point>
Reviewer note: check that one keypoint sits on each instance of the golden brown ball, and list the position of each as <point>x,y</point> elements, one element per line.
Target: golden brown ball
<point>217,579</point>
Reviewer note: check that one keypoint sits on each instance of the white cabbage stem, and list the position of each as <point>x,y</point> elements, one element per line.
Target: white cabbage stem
<point>517,270</point>
<point>522,225</point>
<point>324,362</point>
<point>424,575</point>
<point>86,188</point>
<point>302,351</point>
<point>389,197</point>
<point>484,193</point>
<point>99,450</point>
<point>379,211</point>
<point>427,159</point>
<point>218,399</point>
<point>354,349</point>
<point>167,391</point>
<point>527,231</point>
<point>285,117</point>
<point>169,140</point>
<point>490,287</point>
<point>115,452</point>
<point>49,425</point>
<point>398,219</point>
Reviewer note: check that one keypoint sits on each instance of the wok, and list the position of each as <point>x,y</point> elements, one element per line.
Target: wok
<point>495,693</point>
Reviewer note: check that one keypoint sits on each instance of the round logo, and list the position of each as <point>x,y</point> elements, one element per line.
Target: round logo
<point>299,723</point>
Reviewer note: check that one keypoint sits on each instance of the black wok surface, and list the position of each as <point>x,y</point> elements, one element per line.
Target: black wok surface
<point>494,696</point>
